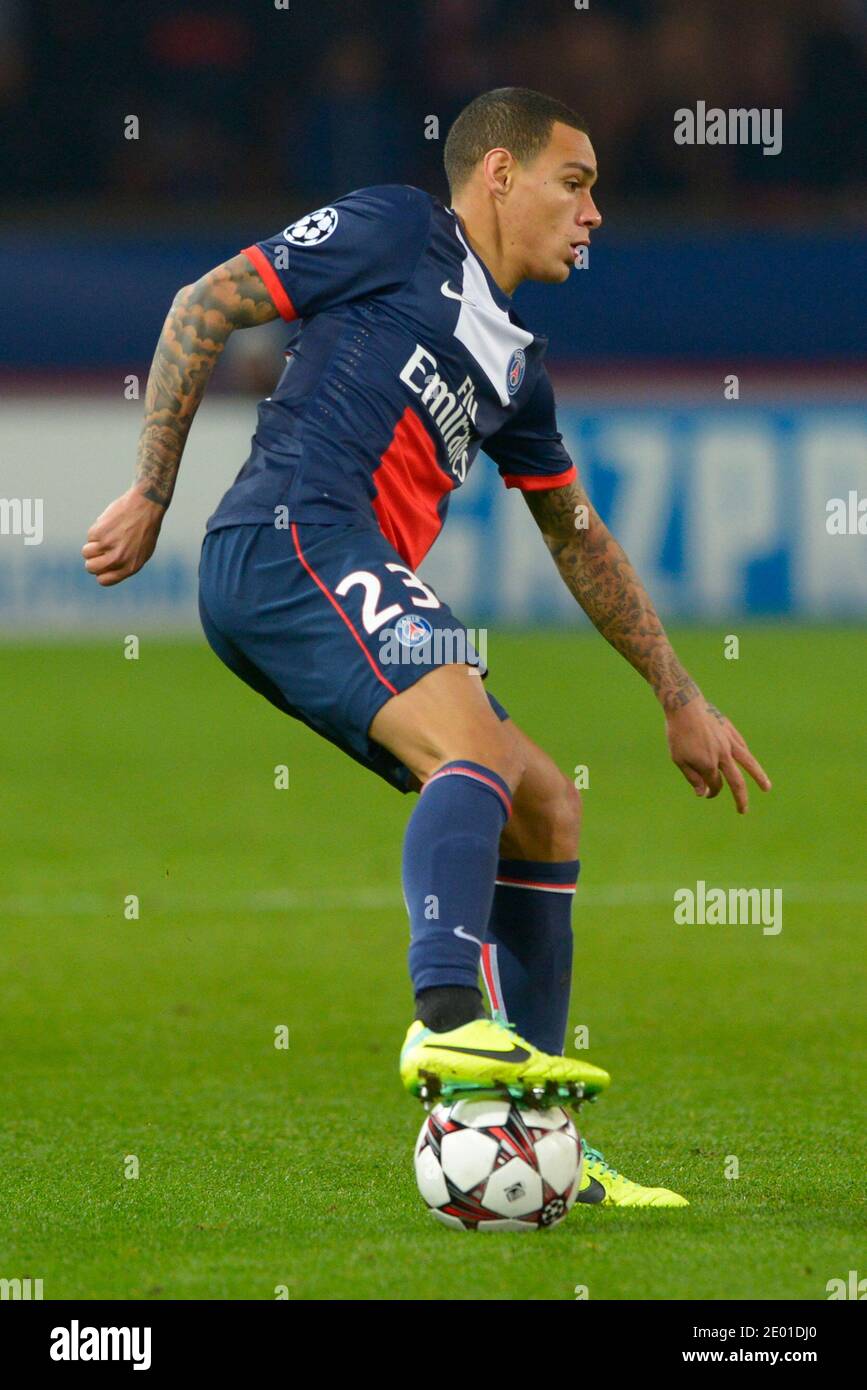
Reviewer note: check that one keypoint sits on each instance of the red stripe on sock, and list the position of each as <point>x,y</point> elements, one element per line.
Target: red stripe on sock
<point>478,776</point>
<point>488,973</point>
<point>528,883</point>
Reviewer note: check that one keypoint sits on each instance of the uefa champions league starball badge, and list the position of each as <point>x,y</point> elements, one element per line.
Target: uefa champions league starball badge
<point>312,229</point>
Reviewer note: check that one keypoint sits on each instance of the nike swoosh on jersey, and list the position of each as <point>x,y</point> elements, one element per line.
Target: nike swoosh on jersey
<point>452,294</point>
<point>594,1193</point>
<point>517,1054</point>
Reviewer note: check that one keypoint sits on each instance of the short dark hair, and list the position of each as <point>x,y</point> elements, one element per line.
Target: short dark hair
<point>516,119</point>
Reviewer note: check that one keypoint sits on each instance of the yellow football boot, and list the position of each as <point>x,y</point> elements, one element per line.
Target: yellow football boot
<point>603,1185</point>
<point>487,1056</point>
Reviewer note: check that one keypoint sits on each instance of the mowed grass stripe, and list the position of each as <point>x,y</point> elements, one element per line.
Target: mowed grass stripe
<point>260,1166</point>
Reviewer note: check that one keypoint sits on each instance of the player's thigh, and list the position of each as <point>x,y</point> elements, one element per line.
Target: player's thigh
<point>546,807</point>
<point>343,628</point>
<point>443,717</point>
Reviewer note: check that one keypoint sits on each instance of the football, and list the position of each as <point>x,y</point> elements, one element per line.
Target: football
<point>489,1165</point>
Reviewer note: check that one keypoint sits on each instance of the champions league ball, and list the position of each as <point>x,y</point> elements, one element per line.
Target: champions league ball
<point>315,227</point>
<point>488,1165</point>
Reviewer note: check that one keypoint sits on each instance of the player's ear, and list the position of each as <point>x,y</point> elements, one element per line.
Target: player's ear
<point>498,166</point>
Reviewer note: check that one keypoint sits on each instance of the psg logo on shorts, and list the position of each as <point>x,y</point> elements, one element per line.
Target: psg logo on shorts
<point>515,374</point>
<point>411,630</point>
<point>313,229</point>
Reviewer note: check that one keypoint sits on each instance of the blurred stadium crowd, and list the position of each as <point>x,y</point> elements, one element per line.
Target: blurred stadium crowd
<point>237,98</point>
<point>717,263</point>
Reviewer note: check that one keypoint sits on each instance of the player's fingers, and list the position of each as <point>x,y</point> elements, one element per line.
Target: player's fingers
<point>739,745</point>
<point>713,778</point>
<point>104,562</point>
<point>91,548</point>
<point>118,567</point>
<point>742,755</point>
<point>695,779</point>
<point>732,774</point>
<point>112,577</point>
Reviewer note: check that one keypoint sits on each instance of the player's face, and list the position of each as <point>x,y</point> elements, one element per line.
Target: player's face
<point>551,208</point>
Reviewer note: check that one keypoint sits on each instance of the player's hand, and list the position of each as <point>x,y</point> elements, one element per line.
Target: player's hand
<point>708,750</point>
<point>122,538</point>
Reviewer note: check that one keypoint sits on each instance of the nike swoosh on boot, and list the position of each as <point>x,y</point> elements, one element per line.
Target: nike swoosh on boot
<point>517,1054</point>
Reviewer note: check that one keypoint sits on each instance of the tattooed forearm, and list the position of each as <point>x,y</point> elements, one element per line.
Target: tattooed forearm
<point>194,334</point>
<point>596,570</point>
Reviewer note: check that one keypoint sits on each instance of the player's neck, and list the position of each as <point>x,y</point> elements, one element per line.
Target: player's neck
<point>484,235</point>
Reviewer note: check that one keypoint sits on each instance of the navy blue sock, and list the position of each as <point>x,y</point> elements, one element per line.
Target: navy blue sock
<point>449,862</point>
<point>527,956</point>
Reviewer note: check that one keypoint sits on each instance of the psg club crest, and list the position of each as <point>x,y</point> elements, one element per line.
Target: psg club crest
<point>412,631</point>
<point>313,229</point>
<point>515,374</point>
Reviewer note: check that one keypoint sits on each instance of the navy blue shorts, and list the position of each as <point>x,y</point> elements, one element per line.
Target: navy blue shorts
<point>327,622</point>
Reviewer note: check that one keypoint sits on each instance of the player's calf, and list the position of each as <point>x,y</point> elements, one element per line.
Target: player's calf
<point>527,956</point>
<point>444,730</point>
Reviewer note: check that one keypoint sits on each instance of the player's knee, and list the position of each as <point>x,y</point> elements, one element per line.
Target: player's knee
<point>493,746</point>
<point>566,815</point>
<point>559,819</point>
<point>511,756</point>
<point>546,823</point>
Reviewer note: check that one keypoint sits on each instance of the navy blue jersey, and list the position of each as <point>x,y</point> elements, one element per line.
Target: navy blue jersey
<point>406,358</point>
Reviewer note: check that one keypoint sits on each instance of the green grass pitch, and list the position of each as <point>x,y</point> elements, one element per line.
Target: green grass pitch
<point>261,1167</point>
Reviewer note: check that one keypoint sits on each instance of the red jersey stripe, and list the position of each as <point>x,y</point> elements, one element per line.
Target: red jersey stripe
<point>535,482</point>
<point>409,485</point>
<point>345,616</point>
<point>271,280</point>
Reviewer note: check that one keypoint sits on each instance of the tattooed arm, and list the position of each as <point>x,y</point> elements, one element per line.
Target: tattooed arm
<point>194,334</point>
<point>703,743</point>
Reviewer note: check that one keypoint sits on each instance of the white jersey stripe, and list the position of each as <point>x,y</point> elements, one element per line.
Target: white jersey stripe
<point>485,329</point>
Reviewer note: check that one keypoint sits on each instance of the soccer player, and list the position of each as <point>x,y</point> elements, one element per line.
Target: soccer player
<point>407,358</point>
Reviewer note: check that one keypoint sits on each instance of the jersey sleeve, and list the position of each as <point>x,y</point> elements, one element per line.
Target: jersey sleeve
<point>528,450</point>
<point>365,243</point>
